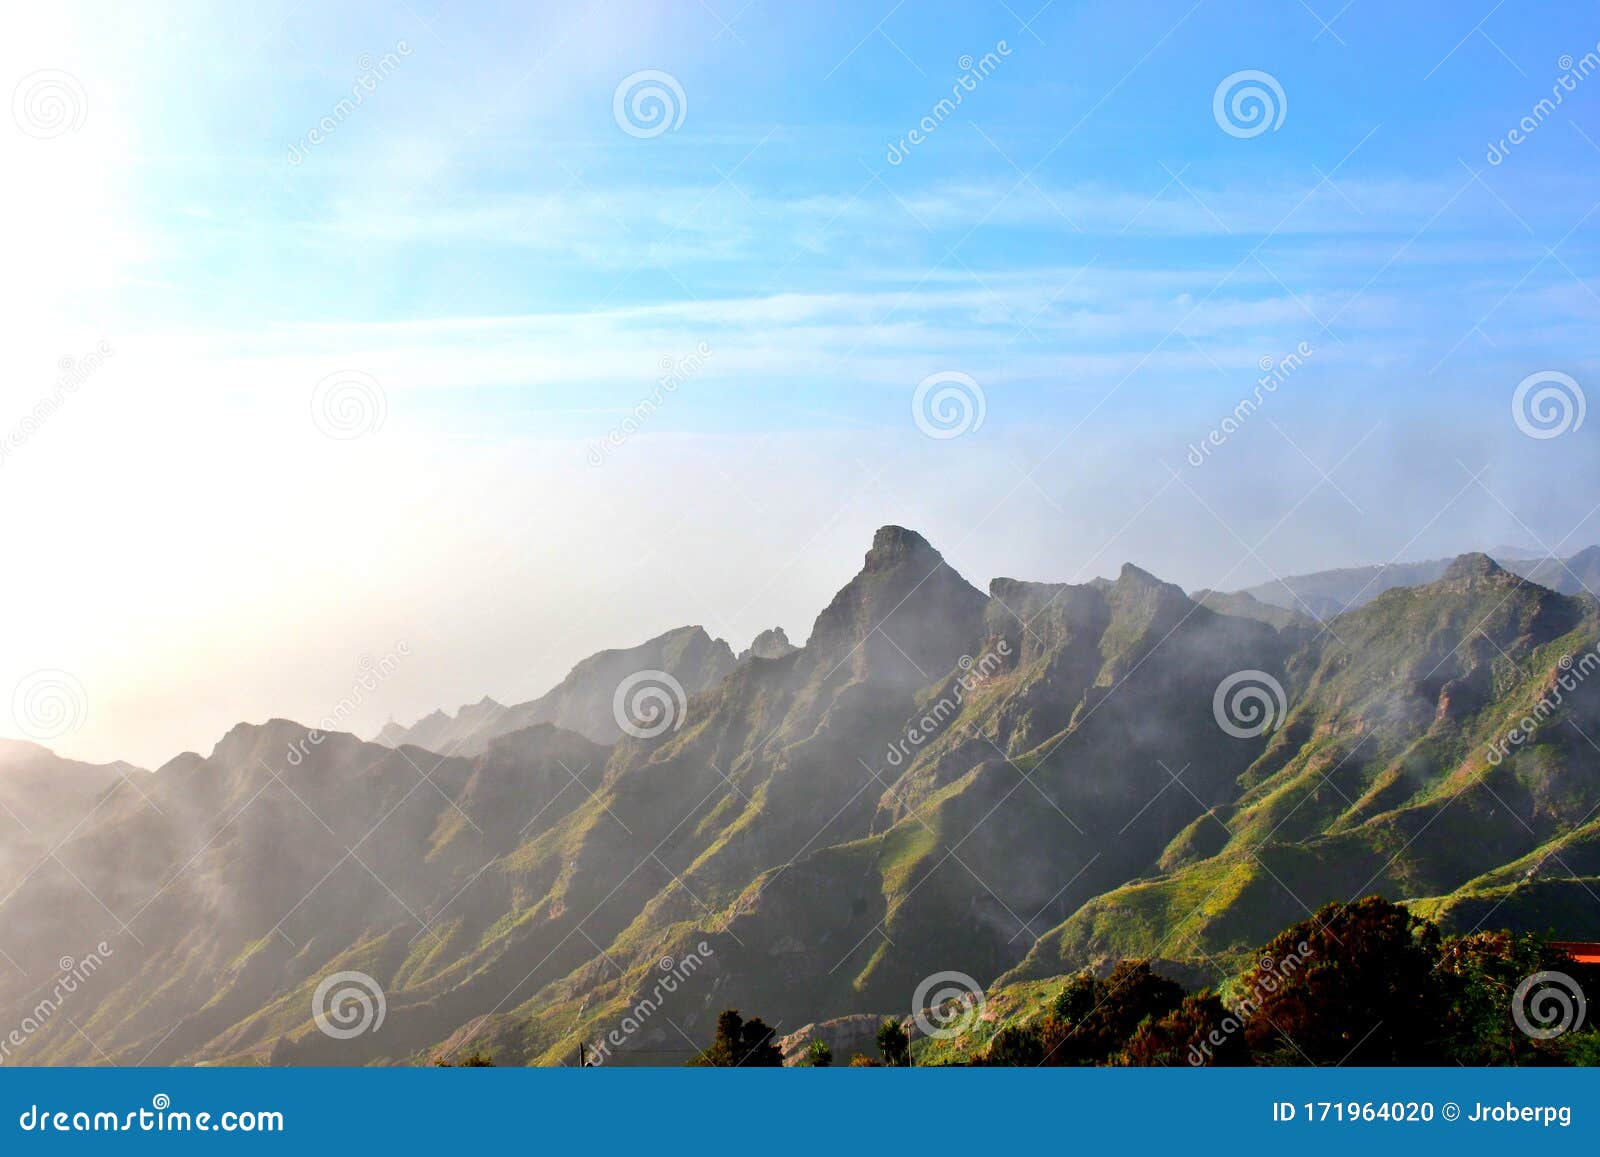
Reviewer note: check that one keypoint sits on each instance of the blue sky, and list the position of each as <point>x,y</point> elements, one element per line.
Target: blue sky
<point>486,177</point>
<point>508,269</point>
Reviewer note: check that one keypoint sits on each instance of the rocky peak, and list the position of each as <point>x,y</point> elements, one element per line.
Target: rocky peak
<point>483,709</point>
<point>909,599</point>
<point>1008,589</point>
<point>181,764</point>
<point>1475,565</point>
<point>1140,593</point>
<point>893,545</point>
<point>1133,578</point>
<point>769,644</point>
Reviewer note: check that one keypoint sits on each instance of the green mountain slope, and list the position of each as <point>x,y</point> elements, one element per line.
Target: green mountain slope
<point>1010,786</point>
<point>1392,774</point>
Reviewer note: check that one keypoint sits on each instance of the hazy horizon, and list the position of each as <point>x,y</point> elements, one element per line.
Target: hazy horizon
<point>370,691</point>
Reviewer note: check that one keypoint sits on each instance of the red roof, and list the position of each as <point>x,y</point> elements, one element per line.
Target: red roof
<point>1582,951</point>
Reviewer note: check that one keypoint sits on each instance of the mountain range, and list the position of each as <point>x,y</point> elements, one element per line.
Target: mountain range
<point>1010,785</point>
<point>1326,594</point>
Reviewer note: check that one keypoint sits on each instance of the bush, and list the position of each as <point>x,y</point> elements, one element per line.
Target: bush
<point>1200,1032</point>
<point>475,1060</point>
<point>1353,985</point>
<point>1094,1018</point>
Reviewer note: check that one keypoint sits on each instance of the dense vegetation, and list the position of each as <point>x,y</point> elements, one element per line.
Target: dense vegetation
<point>1366,983</point>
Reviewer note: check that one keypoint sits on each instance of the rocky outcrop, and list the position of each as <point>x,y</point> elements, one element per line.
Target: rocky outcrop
<point>845,1036</point>
<point>769,644</point>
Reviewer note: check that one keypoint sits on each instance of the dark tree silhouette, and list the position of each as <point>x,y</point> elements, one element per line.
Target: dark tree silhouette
<point>740,1043</point>
<point>894,1044</point>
